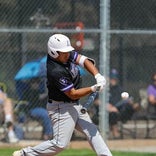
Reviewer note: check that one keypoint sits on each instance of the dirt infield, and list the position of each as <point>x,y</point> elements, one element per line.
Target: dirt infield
<point>122,145</point>
<point>115,145</point>
<point>143,145</point>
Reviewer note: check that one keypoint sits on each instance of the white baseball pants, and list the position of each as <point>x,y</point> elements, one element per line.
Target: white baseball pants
<point>65,118</point>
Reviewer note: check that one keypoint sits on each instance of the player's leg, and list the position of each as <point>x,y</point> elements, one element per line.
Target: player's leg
<point>64,117</point>
<point>113,120</point>
<point>85,125</point>
<point>9,120</point>
<point>41,114</point>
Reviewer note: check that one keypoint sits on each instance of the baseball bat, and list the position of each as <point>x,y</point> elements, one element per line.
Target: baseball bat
<point>89,102</point>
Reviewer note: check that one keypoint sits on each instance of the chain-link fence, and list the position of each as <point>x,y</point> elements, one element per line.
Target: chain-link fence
<point>26,25</point>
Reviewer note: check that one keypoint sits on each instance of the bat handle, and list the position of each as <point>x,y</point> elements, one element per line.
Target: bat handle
<point>83,110</point>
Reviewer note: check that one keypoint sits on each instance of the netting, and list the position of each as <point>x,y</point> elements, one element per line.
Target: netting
<point>25,27</point>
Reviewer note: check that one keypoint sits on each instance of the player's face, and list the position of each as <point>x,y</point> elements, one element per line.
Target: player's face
<point>154,80</point>
<point>63,57</point>
<point>113,82</point>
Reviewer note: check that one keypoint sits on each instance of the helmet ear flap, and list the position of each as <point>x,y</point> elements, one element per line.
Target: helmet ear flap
<point>53,53</point>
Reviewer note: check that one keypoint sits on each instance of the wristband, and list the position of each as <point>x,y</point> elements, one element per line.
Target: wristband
<point>93,88</point>
<point>97,75</point>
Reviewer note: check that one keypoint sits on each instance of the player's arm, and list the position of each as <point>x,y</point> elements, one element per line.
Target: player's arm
<point>151,99</point>
<point>75,94</point>
<point>111,108</point>
<point>87,64</point>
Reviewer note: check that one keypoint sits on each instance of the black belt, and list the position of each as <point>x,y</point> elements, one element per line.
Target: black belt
<point>54,101</point>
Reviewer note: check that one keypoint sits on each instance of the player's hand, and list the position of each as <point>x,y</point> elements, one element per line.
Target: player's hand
<point>97,88</point>
<point>100,79</point>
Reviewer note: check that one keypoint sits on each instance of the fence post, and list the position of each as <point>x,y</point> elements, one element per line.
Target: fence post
<point>104,63</point>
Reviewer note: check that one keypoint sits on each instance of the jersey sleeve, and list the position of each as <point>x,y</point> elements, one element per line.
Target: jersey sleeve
<point>73,56</point>
<point>63,82</point>
<point>150,90</point>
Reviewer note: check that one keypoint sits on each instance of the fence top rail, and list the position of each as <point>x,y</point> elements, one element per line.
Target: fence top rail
<point>48,30</point>
<point>30,30</point>
<point>132,32</point>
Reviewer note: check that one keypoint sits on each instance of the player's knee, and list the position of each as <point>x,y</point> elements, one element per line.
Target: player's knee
<point>62,146</point>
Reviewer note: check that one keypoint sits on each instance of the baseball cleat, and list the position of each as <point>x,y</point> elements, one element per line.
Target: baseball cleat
<point>12,137</point>
<point>17,153</point>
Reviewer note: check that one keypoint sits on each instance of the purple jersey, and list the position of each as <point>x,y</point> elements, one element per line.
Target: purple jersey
<point>151,90</point>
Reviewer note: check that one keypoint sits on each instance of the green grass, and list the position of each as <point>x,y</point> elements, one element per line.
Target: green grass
<point>132,154</point>
<point>74,152</point>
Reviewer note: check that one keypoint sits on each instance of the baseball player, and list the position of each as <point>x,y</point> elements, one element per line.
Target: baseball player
<point>64,91</point>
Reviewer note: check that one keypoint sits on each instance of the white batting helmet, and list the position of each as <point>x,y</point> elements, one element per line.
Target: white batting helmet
<point>58,42</point>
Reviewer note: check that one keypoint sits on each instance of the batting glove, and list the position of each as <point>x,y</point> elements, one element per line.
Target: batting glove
<point>100,79</point>
<point>97,88</point>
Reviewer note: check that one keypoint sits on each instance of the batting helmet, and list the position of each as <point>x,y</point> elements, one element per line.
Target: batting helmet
<point>58,42</point>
